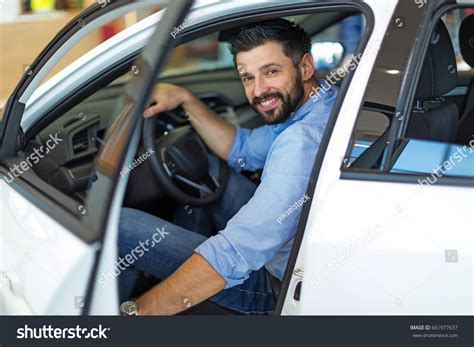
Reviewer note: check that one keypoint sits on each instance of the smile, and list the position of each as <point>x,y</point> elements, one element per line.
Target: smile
<point>269,104</point>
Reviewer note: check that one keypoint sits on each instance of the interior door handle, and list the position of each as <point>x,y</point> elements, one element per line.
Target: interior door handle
<point>11,302</point>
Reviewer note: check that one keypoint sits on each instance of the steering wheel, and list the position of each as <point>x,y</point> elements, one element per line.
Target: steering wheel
<point>180,156</point>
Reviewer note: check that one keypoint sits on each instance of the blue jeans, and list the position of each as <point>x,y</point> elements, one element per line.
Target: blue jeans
<point>169,249</point>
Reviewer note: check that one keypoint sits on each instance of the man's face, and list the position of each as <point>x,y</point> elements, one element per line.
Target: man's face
<point>272,83</point>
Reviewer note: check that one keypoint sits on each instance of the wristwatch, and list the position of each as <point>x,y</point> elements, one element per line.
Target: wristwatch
<point>128,308</point>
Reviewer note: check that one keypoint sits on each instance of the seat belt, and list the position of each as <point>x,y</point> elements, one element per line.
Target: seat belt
<point>275,283</point>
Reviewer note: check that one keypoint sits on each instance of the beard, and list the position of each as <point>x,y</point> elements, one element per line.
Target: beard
<point>289,101</point>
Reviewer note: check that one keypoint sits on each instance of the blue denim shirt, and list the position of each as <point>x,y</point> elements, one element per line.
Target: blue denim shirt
<point>262,232</point>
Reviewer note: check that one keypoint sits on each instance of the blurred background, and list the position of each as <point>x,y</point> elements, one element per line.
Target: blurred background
<point>27,26</point>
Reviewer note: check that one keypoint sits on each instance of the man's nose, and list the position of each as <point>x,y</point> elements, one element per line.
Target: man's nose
<point>260,87</point>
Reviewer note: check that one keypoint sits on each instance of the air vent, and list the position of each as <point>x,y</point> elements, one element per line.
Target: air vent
<point>80,141</point>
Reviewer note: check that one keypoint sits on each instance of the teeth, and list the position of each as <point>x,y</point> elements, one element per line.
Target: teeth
<point>266,103</point>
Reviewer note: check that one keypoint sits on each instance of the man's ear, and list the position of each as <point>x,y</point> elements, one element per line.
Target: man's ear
<point>306,67</point>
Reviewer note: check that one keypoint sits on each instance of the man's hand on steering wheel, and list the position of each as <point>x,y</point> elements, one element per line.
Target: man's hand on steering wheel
<point>166,97</point>
<point>181,156</point>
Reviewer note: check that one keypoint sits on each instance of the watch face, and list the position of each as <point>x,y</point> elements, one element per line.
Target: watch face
<point>129,308</point>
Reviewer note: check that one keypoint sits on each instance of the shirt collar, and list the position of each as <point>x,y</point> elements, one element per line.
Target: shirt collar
<point>317,96</point>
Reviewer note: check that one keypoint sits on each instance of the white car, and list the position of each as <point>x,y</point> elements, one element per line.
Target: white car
<point>389,228</point>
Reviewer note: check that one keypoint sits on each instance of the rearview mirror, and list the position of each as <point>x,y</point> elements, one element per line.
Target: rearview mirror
<point>327,55</point>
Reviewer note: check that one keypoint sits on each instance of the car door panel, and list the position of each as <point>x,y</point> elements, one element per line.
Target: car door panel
<point>394,262</point>
<point>46,265</point>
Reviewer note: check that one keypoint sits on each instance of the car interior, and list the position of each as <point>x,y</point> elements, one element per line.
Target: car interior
<point>69,167</point>
<point>439,114</point>
<point>442,110</point>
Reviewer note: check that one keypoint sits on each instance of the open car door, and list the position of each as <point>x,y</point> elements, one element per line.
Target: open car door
<point>51,246</point>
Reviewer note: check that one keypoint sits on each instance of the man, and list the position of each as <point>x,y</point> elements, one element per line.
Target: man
<point>232,268</point>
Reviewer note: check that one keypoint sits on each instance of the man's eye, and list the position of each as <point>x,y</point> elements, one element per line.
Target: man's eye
<point>246,79</point>
<point>272,72</point>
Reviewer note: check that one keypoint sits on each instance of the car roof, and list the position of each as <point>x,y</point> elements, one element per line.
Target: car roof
<point>208,9</point>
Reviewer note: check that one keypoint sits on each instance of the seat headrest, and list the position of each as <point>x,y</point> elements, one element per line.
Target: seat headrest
<point>439,71</point>
<point>466,39</point>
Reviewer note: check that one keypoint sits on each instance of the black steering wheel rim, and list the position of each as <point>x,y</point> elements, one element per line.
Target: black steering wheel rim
<point>160,159</point>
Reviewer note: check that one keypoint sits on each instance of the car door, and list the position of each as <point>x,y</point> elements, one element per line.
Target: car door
<point>380,240</point>
<point>50,245</point>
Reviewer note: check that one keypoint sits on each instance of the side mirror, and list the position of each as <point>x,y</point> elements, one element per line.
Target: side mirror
<point>327,55</point>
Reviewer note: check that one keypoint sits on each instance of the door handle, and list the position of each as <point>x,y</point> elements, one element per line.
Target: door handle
<point>297,289</point>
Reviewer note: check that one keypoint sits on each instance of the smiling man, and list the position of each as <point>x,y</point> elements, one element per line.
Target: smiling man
<point>233,268</point>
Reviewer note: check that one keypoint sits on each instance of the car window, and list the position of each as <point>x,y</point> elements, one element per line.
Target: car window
<point>79,129</point>
<point>93,40</point>
<point>428,142</point>
<point>435,159</point>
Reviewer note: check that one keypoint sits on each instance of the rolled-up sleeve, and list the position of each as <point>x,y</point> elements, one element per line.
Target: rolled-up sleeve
<point>250,148</point>
<point>256,233</point>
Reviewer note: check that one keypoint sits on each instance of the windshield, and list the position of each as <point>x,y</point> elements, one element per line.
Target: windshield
<point>203,54</point>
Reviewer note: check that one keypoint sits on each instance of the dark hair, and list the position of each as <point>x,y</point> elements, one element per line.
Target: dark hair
<point>295,41</point>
